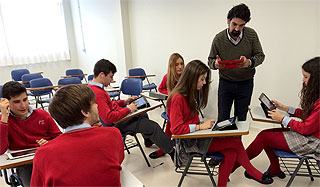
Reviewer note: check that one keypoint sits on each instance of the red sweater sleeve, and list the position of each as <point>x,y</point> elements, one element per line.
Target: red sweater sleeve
<point>163,85</point>
<point>109,111</point>
<point>179,115</point>
<point>3,137</point>
<point>311,125</point>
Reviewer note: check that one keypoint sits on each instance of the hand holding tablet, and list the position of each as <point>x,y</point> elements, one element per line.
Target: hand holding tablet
<point>230,64</point>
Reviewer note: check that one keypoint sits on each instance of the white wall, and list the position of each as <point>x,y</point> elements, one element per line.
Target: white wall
<point>288,31</point>
<point>101,35</point>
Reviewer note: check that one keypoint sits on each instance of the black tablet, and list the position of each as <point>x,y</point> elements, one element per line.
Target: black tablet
<point>142,102</point>
<point>229,124</point>
<point>267,102</point>
<point>21,153</point>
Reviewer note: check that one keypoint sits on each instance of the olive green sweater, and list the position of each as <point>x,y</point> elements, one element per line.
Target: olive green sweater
<point>249,46</point>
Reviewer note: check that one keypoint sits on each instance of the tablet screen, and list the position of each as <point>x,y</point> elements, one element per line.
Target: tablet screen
<point>140,102</point>
<point>22,153</point>
<point>266,101</point>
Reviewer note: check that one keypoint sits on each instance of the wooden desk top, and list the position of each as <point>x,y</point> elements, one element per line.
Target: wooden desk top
<point>140,76</point>
<point>5,163</point>
<point>74,75</point>
<point>44,88</point>
<point>153,105</point>
<point>243,129</point>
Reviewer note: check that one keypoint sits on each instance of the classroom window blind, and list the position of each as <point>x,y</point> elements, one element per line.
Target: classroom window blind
<point>32,31</point>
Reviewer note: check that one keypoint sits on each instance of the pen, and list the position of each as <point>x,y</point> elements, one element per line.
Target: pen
<point>158,165</point>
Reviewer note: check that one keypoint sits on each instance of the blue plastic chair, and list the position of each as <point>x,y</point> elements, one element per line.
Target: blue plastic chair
<point>141,72</point>
<point>69,80</point>
<point>90,77</point>
<point>16,74</point>
<point>1,91</point>
<point>76,72</point>
<point>26,78</point>
<point>132,87</point>
<point>284,154</point>
<point>38,83</point>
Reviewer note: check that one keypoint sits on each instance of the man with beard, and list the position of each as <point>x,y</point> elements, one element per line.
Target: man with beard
<point>237,42</point>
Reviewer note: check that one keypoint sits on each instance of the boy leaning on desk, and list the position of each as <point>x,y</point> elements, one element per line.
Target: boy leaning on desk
<point>22,126</point>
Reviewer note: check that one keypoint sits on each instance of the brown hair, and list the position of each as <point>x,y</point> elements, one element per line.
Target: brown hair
<point>68,103</point>
<point>172,77</point>
<point>310,93</point>
<point>187,86</point>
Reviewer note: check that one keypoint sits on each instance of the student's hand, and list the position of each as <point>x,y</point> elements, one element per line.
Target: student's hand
<point>207,125</point>
<point>276,115</point>
<point>41,141</point>
<point>133,107</point>
<point>280,105</point>
<point>130,99</point>
<point>217,63</point>
<point>4,106</point>
<point>245,63</point>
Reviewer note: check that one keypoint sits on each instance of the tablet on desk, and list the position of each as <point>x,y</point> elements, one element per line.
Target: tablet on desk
<point>229,124</point>
<point>142,102</point>
<point>21,153</point>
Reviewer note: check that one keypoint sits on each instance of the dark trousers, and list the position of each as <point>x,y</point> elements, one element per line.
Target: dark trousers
<point>149,129</point>
<point>24,172</point>
<point>238,92</point>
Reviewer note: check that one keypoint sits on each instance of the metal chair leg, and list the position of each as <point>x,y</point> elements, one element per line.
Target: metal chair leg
<point>295,172</point>
<point>144,155</point>
<point>185,170</point>
<point>309,170</point>
<point>209,173</point>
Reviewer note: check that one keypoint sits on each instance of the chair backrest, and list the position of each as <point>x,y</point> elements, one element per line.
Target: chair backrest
<point>131,86</point>
<point>29,77</point>
<point>90,77</point>
<point>17,74</point>
<point>69,80</point>
<point>75,72</point>
<point>1,91</point>
<point>41,82</point>
<point>137,72</point>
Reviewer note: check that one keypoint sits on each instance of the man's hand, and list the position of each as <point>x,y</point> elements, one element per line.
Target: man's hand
<point>133,107</point>
<point>217,63</point>
<point>245,64</point>
<point>130,99</point>
<point>41,141</point>
<point>5,110</point>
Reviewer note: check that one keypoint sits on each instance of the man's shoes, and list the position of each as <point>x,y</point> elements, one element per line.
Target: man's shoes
<point>156,154</point>
<point>148,142</point>
<point>265,179</point>
<point>281,175</point>
<point>214,162</point>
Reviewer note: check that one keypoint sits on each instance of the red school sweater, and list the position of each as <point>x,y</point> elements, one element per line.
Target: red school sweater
<point>22,133</point>
<point>85,157</point>
<point>180,115</point>
<point>163,85</point>
<point>311,126</point>
<point>109,111</point>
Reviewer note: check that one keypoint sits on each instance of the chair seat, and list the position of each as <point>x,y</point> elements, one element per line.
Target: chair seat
<point>113,94</point>
<point>284,154</point>
<point>149,86</point>
<point>45,100</point>
<point>215,155</point>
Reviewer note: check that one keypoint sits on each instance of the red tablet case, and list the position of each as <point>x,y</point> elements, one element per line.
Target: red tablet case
<point>230,64</point>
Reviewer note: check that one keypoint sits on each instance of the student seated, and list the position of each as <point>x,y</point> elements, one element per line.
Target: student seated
<point>300,137</point>
<point>183,106</point>
<point>22,126</point>
<point>83,155</point>
<point>112,111</point>
<point>169,81</point>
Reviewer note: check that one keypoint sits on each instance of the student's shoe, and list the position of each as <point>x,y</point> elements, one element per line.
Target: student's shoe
<point>214,162</point>
<point>156,154</point>
<point>148,142</point>
<point>281,175</point>
<point>265,179</point>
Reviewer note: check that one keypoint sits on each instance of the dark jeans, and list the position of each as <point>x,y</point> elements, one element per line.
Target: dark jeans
<point>24,172</point>
<point>238,92</point>
<point>149,129</point>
